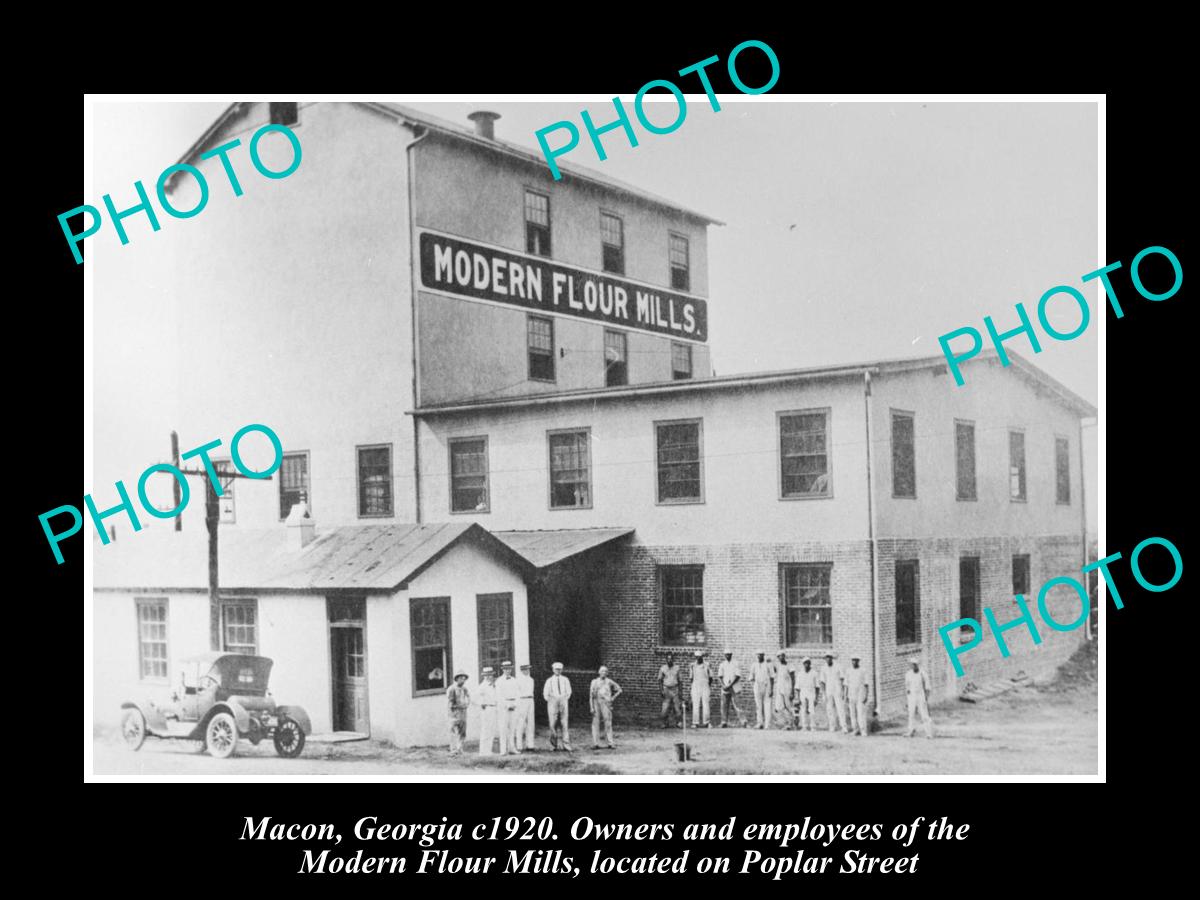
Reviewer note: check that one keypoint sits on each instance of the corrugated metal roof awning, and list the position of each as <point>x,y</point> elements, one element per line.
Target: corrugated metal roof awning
<point>545,548</point>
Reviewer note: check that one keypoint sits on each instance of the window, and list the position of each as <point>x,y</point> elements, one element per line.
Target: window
<point>375,480</point>
<point>682,604</point>
<point>678,254</point>
<point>681,361</point>
<point>807,609</point>
<point>908,601</point>
<point>964,456</point>
<point>904,456</point>
<point>469,475</point>
<point>1016,465</point>
<point>293,482</point>
<point>537,223</point>
<point>616,363</point>
<point>804,454</point>
<point>679,469</point>
<point>227,508</point>
<point>1020,572</point>
<point>1062,470</point>
<point>540,331</point>
<point>570,470</point>
<point>612,243</point>
<point>152,637</point>
<point>239,626</point>
<point>284,114</point>
<point>429,629</point>
<point>968,593</point>
<point>495,616</point>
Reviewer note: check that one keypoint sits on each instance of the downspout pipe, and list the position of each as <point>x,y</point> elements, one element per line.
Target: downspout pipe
<point>420,133</point>
<point>1083,530</point>
<point>872,531</point>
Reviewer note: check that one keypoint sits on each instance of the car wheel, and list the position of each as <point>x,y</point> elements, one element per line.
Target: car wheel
<point>289,738</point>
<point>221,735</point>
<point>133,729</point>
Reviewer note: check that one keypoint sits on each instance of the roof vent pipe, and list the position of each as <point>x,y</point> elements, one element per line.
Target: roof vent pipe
<point>485,123</point>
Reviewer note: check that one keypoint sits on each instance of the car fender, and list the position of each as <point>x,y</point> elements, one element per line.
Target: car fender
<point>240,717</point>
<point>297,713</point>
<point>155,723</point>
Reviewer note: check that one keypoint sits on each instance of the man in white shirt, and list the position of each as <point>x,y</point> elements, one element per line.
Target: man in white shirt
<point>784,686</point>
<point>858,691</point>
<point>701,685</point>
<point>916,686</point>
<point>557,694</point>
<point>730,687</point>
<point>507,695</point>
<point>761,677</point>
<point>525,728</point>
<point>833,683</point>
<point>485,696</point>
<point>806,694</point>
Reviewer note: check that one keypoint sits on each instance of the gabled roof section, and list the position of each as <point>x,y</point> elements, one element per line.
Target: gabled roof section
<point>367,558</point>
<point>468,135</point>
<point>1019,364</point>
<point>545,548</point>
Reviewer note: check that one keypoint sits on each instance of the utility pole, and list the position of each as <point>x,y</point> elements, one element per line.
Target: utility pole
<point>175,486</point>
<point>212,517</point>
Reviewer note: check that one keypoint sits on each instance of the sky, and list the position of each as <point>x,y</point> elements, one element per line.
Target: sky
<point>853,231</point>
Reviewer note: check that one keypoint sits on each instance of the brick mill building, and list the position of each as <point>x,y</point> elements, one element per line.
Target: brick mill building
<point>442,334</point>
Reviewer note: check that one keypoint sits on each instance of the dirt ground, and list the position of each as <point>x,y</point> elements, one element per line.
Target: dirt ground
<point>1048,728</point>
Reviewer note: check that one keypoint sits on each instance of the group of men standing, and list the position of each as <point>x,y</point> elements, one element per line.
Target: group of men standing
<point>785,696</point>
<point>507,707</point>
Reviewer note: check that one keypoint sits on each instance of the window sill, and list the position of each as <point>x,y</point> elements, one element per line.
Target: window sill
<point>469,512</point>
<point>904,496</point>
<point>698,502</point>
<point>435,692</point>
<point>1018,499</point>
<point>682,649</point>
<point>387,515</point>
<point>569,508</point>
<point>827,496</point>
<point>908,649</point>
<point>966,499</point>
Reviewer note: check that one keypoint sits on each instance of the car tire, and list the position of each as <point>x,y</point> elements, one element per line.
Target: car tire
<point>289,738</point>
<point>133,729</point>
<point>221,735</point>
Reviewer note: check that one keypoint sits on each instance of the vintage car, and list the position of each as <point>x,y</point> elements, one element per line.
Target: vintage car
<point>221,697</point>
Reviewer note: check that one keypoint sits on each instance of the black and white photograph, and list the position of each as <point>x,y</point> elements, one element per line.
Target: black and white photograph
<point>493,437</point>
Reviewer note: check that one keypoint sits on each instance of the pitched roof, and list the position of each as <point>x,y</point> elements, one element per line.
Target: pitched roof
<point>369,558</point>
<point>1018,364</point>
<point>468,135</point>
<point>545,548</point>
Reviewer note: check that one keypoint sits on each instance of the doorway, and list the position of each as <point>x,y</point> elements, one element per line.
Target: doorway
<point>348,663</point>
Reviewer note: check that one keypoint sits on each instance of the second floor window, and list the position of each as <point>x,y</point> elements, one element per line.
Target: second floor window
<point>570,470</point>
<point>804,454</point>
<point>680,479</point>
<point>541,348</point>
<point>537,223</point>
<point>612,243</point>
<point>293,483</point>
<point>681,361</point>
<point>1062,470</point>
<point>468,475</point>
<point>964,460</point>
<point>1016,465</point>
<point>616,364</point>
<point>904,457</point>
<point>681,278</point>
<point>375,481</point>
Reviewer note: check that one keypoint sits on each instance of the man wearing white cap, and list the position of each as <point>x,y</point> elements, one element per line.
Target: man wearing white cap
<point>916,686</point>
<point>806,694</point>
<point>600,698</point>
<point>507,695</point>
<point>833,683</point>
<point>485,696</point>
<point>557,693</point>
<point>525,723</point>
<point>458,699</point>
<point>857,693</point>
<point>701,685</point>
<point>730,681</point>
<point>784,673</point>
<point>761,674</point>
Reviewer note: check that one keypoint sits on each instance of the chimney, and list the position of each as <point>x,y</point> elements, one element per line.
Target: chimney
<point>485,123</point>
<point>300,526</point>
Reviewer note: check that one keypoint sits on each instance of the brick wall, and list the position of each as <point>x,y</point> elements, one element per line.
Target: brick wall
<point>742,611</point>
